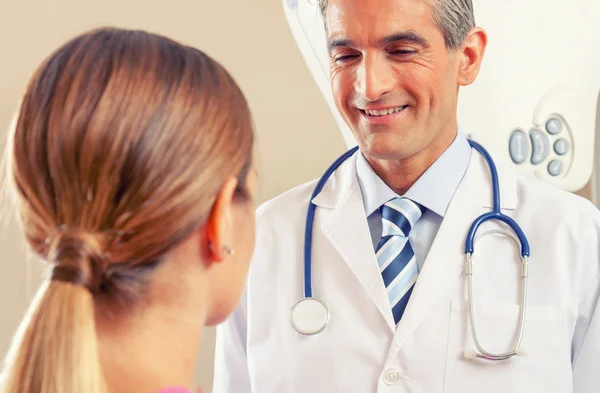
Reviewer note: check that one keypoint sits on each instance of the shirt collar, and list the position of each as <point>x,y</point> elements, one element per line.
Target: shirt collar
<point>443,176</point>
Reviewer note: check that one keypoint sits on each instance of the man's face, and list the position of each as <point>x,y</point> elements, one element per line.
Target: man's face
<point>394,81</point>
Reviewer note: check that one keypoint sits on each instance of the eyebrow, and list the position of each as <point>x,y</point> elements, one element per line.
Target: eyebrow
<point>338,43</point>
<point>405,36</point>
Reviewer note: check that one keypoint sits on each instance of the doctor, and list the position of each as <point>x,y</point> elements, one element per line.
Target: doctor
<point>388,246</point>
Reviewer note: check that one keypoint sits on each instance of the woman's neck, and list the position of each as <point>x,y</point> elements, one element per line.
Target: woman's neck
<point>154,345</point>
<point>149,353</point>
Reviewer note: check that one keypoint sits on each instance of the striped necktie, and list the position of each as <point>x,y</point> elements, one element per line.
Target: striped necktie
<point>395,255</point>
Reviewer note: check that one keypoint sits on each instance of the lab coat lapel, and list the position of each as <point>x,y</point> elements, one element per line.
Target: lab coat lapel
<point>343,221</point>
<point>446,259</point>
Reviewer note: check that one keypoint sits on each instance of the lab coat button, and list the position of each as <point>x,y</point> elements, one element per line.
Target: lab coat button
<point>391,377</point>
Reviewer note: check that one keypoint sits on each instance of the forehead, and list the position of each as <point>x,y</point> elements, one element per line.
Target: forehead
<point>373,19</point>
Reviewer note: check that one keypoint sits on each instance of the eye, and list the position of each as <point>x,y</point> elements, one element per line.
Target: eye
<point>344,55</point>
<point>402,52</point>
<point>345,58</point>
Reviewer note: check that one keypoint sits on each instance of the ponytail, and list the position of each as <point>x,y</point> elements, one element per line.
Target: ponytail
<point>55,349</point>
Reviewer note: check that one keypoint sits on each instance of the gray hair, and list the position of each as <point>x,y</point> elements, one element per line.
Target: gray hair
<point>454,18</point>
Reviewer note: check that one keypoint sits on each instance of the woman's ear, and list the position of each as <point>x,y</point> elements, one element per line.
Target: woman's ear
<point>220,222</point>
<point>471,54</point>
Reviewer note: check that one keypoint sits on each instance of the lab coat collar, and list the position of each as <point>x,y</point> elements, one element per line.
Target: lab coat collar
<point>337,187</point>
<point>343,222</point>
<point>443,176</point>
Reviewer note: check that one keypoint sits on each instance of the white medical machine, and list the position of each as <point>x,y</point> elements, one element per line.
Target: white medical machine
<point>535,101</point>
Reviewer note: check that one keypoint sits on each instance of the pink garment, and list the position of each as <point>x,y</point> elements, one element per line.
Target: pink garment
<point>176,390</point>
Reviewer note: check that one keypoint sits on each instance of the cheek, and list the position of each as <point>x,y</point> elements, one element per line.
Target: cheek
<point>341,86</point>
<point>229,280</point>
<point>250,240</point>
<point>428,87</point>
<point>246,243</point>
<point>249,221</point>
<point>418,81</point>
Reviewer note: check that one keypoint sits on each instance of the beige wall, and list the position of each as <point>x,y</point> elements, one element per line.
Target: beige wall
<point>250,38</point>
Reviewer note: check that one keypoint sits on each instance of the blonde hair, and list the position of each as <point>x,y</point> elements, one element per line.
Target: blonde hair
<point>123,140</point>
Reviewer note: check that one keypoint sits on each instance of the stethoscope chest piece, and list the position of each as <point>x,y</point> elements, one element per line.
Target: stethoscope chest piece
<point>309,316</point>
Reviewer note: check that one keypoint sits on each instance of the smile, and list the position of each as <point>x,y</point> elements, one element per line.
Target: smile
<point>383,112</point>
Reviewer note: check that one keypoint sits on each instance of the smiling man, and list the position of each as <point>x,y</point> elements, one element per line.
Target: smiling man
<point>388,238</point>
<point>395,78</point>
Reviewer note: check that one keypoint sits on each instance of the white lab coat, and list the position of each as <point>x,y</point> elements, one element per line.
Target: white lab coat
<point>362,352</point>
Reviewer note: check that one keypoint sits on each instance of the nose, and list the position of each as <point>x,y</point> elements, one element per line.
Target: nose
<point>374,78</point>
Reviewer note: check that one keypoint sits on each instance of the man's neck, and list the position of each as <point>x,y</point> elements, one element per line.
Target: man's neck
<point>400,175</point>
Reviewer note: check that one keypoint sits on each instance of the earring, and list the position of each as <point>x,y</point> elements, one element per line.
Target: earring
<point>229,250</point>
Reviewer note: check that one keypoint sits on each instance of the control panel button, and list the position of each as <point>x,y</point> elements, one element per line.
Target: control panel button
<point>555,167</point>
<point>554,126</point>
<point>518,147</point>
<point>540,146</point>
<point>561,147</point>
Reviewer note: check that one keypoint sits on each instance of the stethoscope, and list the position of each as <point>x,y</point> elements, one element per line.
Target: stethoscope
<point>311,316</point>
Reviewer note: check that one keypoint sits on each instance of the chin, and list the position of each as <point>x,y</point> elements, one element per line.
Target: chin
<point>388,147</point>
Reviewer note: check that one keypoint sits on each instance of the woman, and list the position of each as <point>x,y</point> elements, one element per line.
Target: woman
<point>131,165</point>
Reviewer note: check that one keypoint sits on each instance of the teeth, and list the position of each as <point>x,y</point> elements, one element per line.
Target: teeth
<point>384,112</point>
